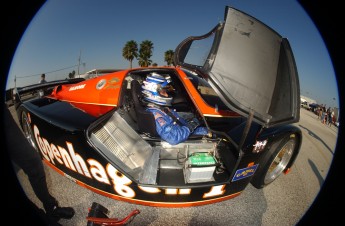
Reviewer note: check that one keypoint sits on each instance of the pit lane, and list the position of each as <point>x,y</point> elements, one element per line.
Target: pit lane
<point>282,203</point>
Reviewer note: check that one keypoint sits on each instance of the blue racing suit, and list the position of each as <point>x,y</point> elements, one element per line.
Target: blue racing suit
<point>173,131</point>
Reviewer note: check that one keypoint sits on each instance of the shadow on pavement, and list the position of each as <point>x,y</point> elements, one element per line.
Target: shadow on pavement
<point>317,137</point>
<point>316,171</point>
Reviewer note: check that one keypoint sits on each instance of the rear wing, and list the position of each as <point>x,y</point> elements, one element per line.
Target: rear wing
<point>22,94</point>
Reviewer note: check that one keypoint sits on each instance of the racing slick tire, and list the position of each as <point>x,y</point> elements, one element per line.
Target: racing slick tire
<point>275,161</point>
<point>25,123</point>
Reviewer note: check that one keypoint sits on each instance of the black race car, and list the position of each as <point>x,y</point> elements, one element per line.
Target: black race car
<point>239,80</point>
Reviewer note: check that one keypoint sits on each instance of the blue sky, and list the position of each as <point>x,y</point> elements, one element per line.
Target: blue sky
<point>63,30</point>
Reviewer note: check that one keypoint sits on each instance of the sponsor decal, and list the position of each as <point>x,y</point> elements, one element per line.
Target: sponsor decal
<point>161,121</point>
<point>108,174</point>
<point>77,87</point>
<point>245,172</point>
<point>112,83</point>
<point>259,146</point>
<point>101,84</point>
<point>159,117</point>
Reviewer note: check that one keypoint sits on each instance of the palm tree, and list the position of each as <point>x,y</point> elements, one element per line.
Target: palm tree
<point>145,53</point>
<point>169,57</point>
<point>130,51</point>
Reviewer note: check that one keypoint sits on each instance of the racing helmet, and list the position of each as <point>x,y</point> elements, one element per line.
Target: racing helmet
<point>157,89</point>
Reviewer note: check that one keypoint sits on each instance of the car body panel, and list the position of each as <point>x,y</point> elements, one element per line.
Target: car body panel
<point>251,67</point>
<point>61,114</point>
<point>104,90</point>
<point>79,162</point>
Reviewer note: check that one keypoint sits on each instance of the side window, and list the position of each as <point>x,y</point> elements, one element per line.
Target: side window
<point>206,91</point>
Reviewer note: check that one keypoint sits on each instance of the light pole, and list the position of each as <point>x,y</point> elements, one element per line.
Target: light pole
<point>79,61</point>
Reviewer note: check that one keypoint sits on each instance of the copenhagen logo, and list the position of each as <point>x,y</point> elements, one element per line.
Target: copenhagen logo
<point>104,174</point>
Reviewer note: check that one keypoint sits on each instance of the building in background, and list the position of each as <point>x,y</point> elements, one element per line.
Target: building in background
<point>307,99</point>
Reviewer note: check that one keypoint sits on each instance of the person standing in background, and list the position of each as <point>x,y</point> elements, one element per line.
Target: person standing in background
<point>42,92</point>
<point>321,112</point>
<point>330,117</point>
<point>328,113</point>
<point>43,79</point>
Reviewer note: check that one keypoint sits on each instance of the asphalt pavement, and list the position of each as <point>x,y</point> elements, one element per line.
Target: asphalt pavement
<point>284,202</point>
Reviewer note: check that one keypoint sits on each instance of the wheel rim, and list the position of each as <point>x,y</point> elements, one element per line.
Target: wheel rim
<point>280,161</point>
<point>27,130</point>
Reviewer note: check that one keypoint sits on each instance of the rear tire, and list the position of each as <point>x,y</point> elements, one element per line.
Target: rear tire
<point>275,161</point>
<point>26,127</point>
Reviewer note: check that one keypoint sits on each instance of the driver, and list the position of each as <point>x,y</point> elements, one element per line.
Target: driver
<point>172,127</point>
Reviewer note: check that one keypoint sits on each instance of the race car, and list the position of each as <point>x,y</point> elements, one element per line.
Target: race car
<point>239,81</point>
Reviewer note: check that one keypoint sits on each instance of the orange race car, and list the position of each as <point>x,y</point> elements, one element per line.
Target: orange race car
<point>192,134</point>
